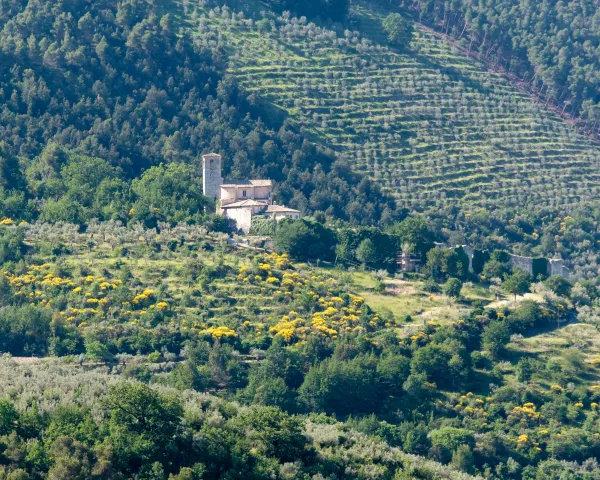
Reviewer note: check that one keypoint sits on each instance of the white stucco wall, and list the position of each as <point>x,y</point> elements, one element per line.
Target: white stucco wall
<point>227,195</point>
<point>242,217</point>
<point>262,193</point>
<point>235,193</point>
<point>280,215</point>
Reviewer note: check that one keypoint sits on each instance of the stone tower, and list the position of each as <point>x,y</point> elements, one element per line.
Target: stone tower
<point>211,175</point>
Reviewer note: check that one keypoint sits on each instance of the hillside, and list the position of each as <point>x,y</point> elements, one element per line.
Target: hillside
<point>429,124</point>
<point>143,338</point>
<point>230,440</point>
<point>174,355</point>
<point>551,46</point>
<point>96,103</point>
<point>115,88</point>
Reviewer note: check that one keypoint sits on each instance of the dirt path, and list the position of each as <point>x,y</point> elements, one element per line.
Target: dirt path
<point>528,296</point>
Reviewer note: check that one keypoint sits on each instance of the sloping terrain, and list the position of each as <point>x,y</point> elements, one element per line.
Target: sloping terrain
<point>428,123</point>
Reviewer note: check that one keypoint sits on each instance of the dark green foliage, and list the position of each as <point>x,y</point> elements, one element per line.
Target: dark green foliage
<point>95,349</point>
<point>447,364</point>
<point>274,433</point>
<point>462,263</point>
<point>517,283</point>
<point>453,287</point>
<point>463,459</point>
<point>559,285</point>
<point>143,425</point>
<point>342,387</point>
<point>24,331</point>
<point>414,232</point>
<point>495,337</point>
<point>83,188</point>
<point>271,383</point>
<point>379,249</point>
<point>168,193</point>
<point>186,376</point>
<point>539,268</point>
<point>366,252</point>
<point>449,439</point>
<point>8,416</point>
<point>527,315</point>
<point>12,246</point>
<point>525,369</point>
<point>6,291</point>
<point>479,260</point>
<point>398,29</point>
<point>304,240</point>
<point>393,371</point>
<point>495,269</point>
<point>501,256</point>
<point>443,263</point>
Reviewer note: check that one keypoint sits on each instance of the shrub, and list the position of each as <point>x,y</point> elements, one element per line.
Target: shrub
<point>304,240</point>
<point>453,287</point>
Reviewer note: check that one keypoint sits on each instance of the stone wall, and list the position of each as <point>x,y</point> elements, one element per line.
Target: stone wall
<point>556,266</point>
<point>524,263</point>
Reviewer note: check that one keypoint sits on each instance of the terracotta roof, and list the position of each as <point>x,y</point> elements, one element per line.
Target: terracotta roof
<point>280,209</point>
<point>245,203</point>
<point>248,183</point>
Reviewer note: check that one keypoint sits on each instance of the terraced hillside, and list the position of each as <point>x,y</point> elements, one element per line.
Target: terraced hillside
<point>429,123</point>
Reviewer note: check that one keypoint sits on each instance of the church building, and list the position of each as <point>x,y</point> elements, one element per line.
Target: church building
<point>241,200</point>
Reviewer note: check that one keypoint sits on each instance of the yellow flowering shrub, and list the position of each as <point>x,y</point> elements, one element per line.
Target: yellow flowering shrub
<point>220,332</point>
<point>285,327</point>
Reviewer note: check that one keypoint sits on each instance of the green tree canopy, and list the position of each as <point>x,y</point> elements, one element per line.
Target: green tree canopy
<point>366,252</point>
<point>495,337</point>
<point>559,285</point>
<point>304,239</point>
<point>414,231</point>
<point>169,192</point>
<point>517,283</point>
<point>399,30</point>
<point>453,287</point>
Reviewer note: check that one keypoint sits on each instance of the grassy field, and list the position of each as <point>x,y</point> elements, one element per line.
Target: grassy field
<point>428,123</point>
<point>410,305</point>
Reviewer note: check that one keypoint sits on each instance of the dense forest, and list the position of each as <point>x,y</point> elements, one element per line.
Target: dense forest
<point>121,87</point>
<point>553,46</point>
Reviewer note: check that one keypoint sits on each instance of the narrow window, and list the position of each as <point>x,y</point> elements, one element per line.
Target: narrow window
<point>243,193</point>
